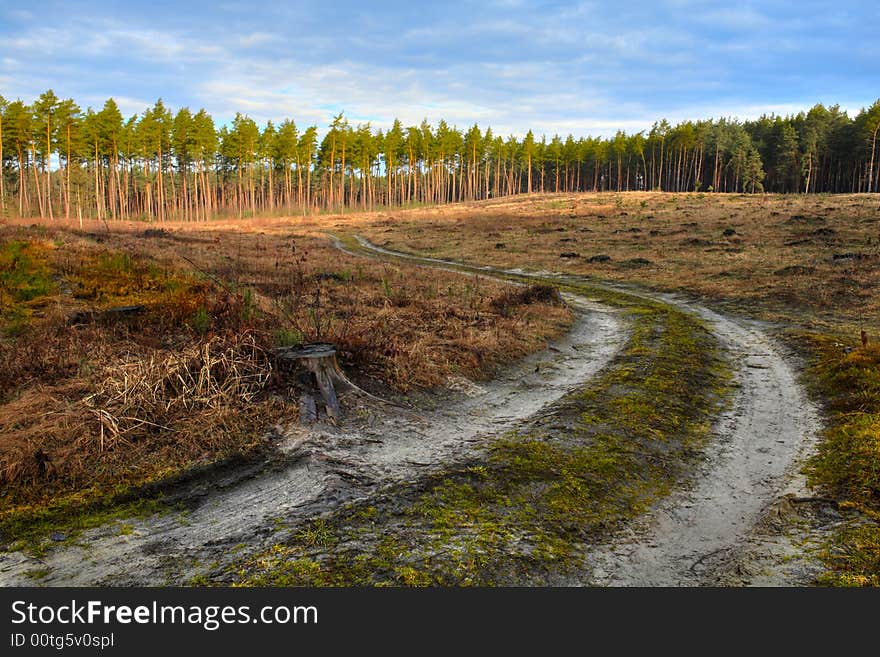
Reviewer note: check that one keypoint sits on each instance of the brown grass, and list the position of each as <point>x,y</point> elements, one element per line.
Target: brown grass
<point>812,260</point>
<point>93,402</point>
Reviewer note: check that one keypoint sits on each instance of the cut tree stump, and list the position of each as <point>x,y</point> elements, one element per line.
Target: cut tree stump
<point>320,359</point>
<point>308,412</point>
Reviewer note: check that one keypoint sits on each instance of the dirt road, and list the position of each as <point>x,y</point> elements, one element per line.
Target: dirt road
<point>319,469</point>
<point>699,534</point>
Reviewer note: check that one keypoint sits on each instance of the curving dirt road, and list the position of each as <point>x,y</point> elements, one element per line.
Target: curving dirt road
<point>691,538</point>
<point>697,535</point>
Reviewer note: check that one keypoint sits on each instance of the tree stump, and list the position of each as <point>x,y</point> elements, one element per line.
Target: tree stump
<point>308,412</point>
<point>320,360</point>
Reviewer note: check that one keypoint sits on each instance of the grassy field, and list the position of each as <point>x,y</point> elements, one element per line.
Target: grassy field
<point>808,265</point>
<point>812,261</point>
<point>96,402</point>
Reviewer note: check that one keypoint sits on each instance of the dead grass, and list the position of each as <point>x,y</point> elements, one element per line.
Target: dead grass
<point>809,260</point>
<point>95,402</point>
<point>401,324</point>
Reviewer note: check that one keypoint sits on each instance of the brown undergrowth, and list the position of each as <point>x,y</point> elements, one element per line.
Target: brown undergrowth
<point>128,357</point>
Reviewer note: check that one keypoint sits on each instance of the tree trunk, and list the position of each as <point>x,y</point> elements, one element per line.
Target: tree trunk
<point>873,153</point>
<point>67,176</point>
<point>530,172</point>
<point>22,192</point>
<point>48,164</point>
<point>37,185</point>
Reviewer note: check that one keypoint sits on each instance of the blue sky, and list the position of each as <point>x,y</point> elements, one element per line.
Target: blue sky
<point>580,68</point>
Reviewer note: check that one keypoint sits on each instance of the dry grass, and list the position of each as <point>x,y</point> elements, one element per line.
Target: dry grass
<point>403,325</point>
<point>95,402</point>
<point>810,260</point>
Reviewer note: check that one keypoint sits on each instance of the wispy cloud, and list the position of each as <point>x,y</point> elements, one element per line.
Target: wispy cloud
<point>257,38</point>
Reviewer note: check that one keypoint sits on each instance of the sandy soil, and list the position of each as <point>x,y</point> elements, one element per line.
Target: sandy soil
<point>696,535</point>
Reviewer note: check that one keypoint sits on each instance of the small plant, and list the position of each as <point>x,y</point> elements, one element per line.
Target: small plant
<point>248,306</point>
<point>318,533</point>
<point>288,337</point>
<point>38,573</point>
<point>202,320</point>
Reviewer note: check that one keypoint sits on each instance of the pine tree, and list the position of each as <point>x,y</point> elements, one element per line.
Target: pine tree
<point>44,115</point>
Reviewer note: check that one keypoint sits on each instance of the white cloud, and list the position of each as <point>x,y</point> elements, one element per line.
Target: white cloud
<point>256,39</point>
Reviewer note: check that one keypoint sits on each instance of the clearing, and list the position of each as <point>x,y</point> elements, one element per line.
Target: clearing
<point>697,407</point>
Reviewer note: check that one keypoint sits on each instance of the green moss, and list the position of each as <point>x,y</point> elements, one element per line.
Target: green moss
<point>853,557</point>
<point>29,528</point>
<point>847,462</point>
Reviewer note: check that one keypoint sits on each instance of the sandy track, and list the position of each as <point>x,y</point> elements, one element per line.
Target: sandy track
<point>325,467</point>
<point>698,534</point>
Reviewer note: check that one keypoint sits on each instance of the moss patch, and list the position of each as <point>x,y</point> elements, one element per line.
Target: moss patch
<point>30,528</point>
<point>848,460</point>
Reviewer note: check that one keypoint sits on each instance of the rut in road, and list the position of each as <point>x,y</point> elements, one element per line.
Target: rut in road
<point>758,446</point>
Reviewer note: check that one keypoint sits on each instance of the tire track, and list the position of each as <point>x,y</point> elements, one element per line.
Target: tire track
<point>697,533</point>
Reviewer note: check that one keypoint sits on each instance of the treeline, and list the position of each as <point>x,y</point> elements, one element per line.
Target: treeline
<point>61,161</point>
